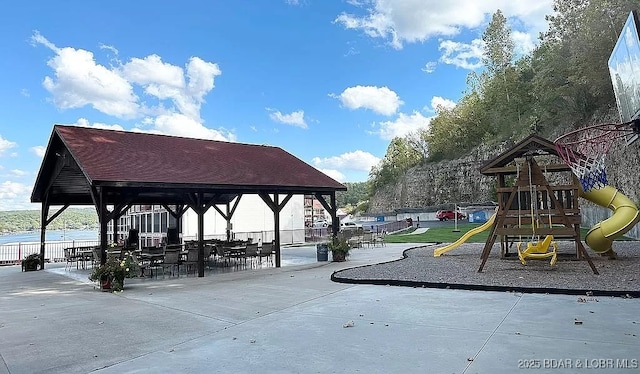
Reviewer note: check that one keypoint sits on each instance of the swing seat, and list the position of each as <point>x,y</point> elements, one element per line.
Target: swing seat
<point>539,250</point>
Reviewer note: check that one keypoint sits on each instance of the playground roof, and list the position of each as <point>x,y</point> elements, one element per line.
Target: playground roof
<point>532,145</point>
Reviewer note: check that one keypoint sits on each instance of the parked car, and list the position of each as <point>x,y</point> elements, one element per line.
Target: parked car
<point>445,215</point>
<point>320,223</point>
<point>350,226</point>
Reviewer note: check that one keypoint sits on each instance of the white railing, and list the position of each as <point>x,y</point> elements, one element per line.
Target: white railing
<point>13,253</point>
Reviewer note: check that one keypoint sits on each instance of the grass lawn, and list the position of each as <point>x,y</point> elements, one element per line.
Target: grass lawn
<point>446,235</point>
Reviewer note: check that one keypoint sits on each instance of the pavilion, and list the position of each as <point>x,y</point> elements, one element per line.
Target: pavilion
<point>114,170</point>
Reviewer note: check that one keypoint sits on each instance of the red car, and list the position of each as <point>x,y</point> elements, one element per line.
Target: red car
<point>445,215</point>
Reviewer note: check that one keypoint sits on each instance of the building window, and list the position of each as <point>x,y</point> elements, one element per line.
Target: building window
<point>163,225</point>
<point>149,223</point>
<point>156,222</point>
<point>136,222</point>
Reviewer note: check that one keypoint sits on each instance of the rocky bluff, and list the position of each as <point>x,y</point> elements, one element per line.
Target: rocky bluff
<point>460,181</point>
<point>444,182</point>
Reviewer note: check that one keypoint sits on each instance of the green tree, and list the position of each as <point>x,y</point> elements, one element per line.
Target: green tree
<point>29,220</point>
<point>399,158</point>
<point>562,84</point>
<point>498,45</point>
<point>355,194</point>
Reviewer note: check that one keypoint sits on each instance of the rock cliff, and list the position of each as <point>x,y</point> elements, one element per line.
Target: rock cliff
<point>445,182</point>
<point>459,181</point>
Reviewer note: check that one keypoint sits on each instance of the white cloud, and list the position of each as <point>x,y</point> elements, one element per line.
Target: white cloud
<point>441,102</point>
<point>109,48</point>
<point>80,81</point>
<point>403,125</point>
<point>83,122</point>
<point>466,56</point>
<point>181,125</point>
<point>523,42</point>
<point>5,145</point>
<point>381,100</point>
<point>335,174</point>
<point>18,173</point>
<point>38,150</point>
<point>429,67</point>
<point>293,2</point>
<point>167,124</point>
<point>14,196</point>
<point>151,70</point>
<point>24,92</point>
<point>356,160</point>
<point>409,21</point>
<point>294,118</point>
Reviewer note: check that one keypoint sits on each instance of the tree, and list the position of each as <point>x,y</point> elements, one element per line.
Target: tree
<point>399,158</point>
<point>498,45</point>
<point>418,140</point>
<point>355,194</point>
<point>571,72</point>
<point>501,81</point>
<point>562,84</point>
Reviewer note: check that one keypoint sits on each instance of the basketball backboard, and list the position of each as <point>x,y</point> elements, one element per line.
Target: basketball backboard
<point>624,67</point>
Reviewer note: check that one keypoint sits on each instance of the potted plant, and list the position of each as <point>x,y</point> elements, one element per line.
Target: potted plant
<point>339,248</point>
<point>111,275</point>
<point>31,262</point>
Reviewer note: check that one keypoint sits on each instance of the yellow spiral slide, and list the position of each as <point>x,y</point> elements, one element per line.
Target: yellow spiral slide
<point>625,216</point>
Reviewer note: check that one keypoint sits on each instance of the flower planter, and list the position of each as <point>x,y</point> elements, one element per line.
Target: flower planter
<point>339,256</point>
<point>110,276</point>
<point>29,266</point>
<point>31,262</point>
<point>105,284</point>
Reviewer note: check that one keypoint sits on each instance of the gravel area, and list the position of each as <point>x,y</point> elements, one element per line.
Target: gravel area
<point>459,269</point>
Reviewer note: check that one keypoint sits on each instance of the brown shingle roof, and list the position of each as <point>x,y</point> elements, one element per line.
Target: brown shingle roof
<point>108,155</point>
<point>532,144</point>
<point>131,159</point>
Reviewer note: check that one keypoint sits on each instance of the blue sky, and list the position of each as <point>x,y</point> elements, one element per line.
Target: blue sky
<point>330,81</point>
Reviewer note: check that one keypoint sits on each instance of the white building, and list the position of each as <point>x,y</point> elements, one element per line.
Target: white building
<point>252,218</point>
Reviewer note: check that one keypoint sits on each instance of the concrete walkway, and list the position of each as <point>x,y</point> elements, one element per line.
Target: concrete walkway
<point>418,231</point>
<point>292,320</point>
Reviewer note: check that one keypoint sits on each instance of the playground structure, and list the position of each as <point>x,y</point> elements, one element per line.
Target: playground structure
<point>525,197</point>
<point>534,214</point>
<point>582,152</point>
<point>531,210</point>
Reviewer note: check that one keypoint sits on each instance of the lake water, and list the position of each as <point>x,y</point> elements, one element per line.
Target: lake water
<point>51,235</point>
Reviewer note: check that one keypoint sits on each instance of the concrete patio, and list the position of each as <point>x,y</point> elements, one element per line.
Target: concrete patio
<point>295,320</point>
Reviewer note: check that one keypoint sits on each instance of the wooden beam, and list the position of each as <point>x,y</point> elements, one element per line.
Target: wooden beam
<point>103,213</point>
<point>514,170</point>
<point>276,207</point>
<point>56,214</point>
<point>200,212</point>
<point>332,209</point>
<point>43,227</point>
<point>491,239</point>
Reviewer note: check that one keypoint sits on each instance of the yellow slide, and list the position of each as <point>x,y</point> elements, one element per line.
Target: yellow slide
<point>625,216</point>
<point>463,238</point>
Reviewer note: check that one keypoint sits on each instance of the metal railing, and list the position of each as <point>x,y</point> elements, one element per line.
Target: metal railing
<point>13,253</point>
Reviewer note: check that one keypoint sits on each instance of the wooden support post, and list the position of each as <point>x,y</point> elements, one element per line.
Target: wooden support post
<point>200,235</point>
<point>43,230</point>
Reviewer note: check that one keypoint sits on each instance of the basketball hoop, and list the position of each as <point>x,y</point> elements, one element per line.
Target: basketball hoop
<point>584,150</point>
